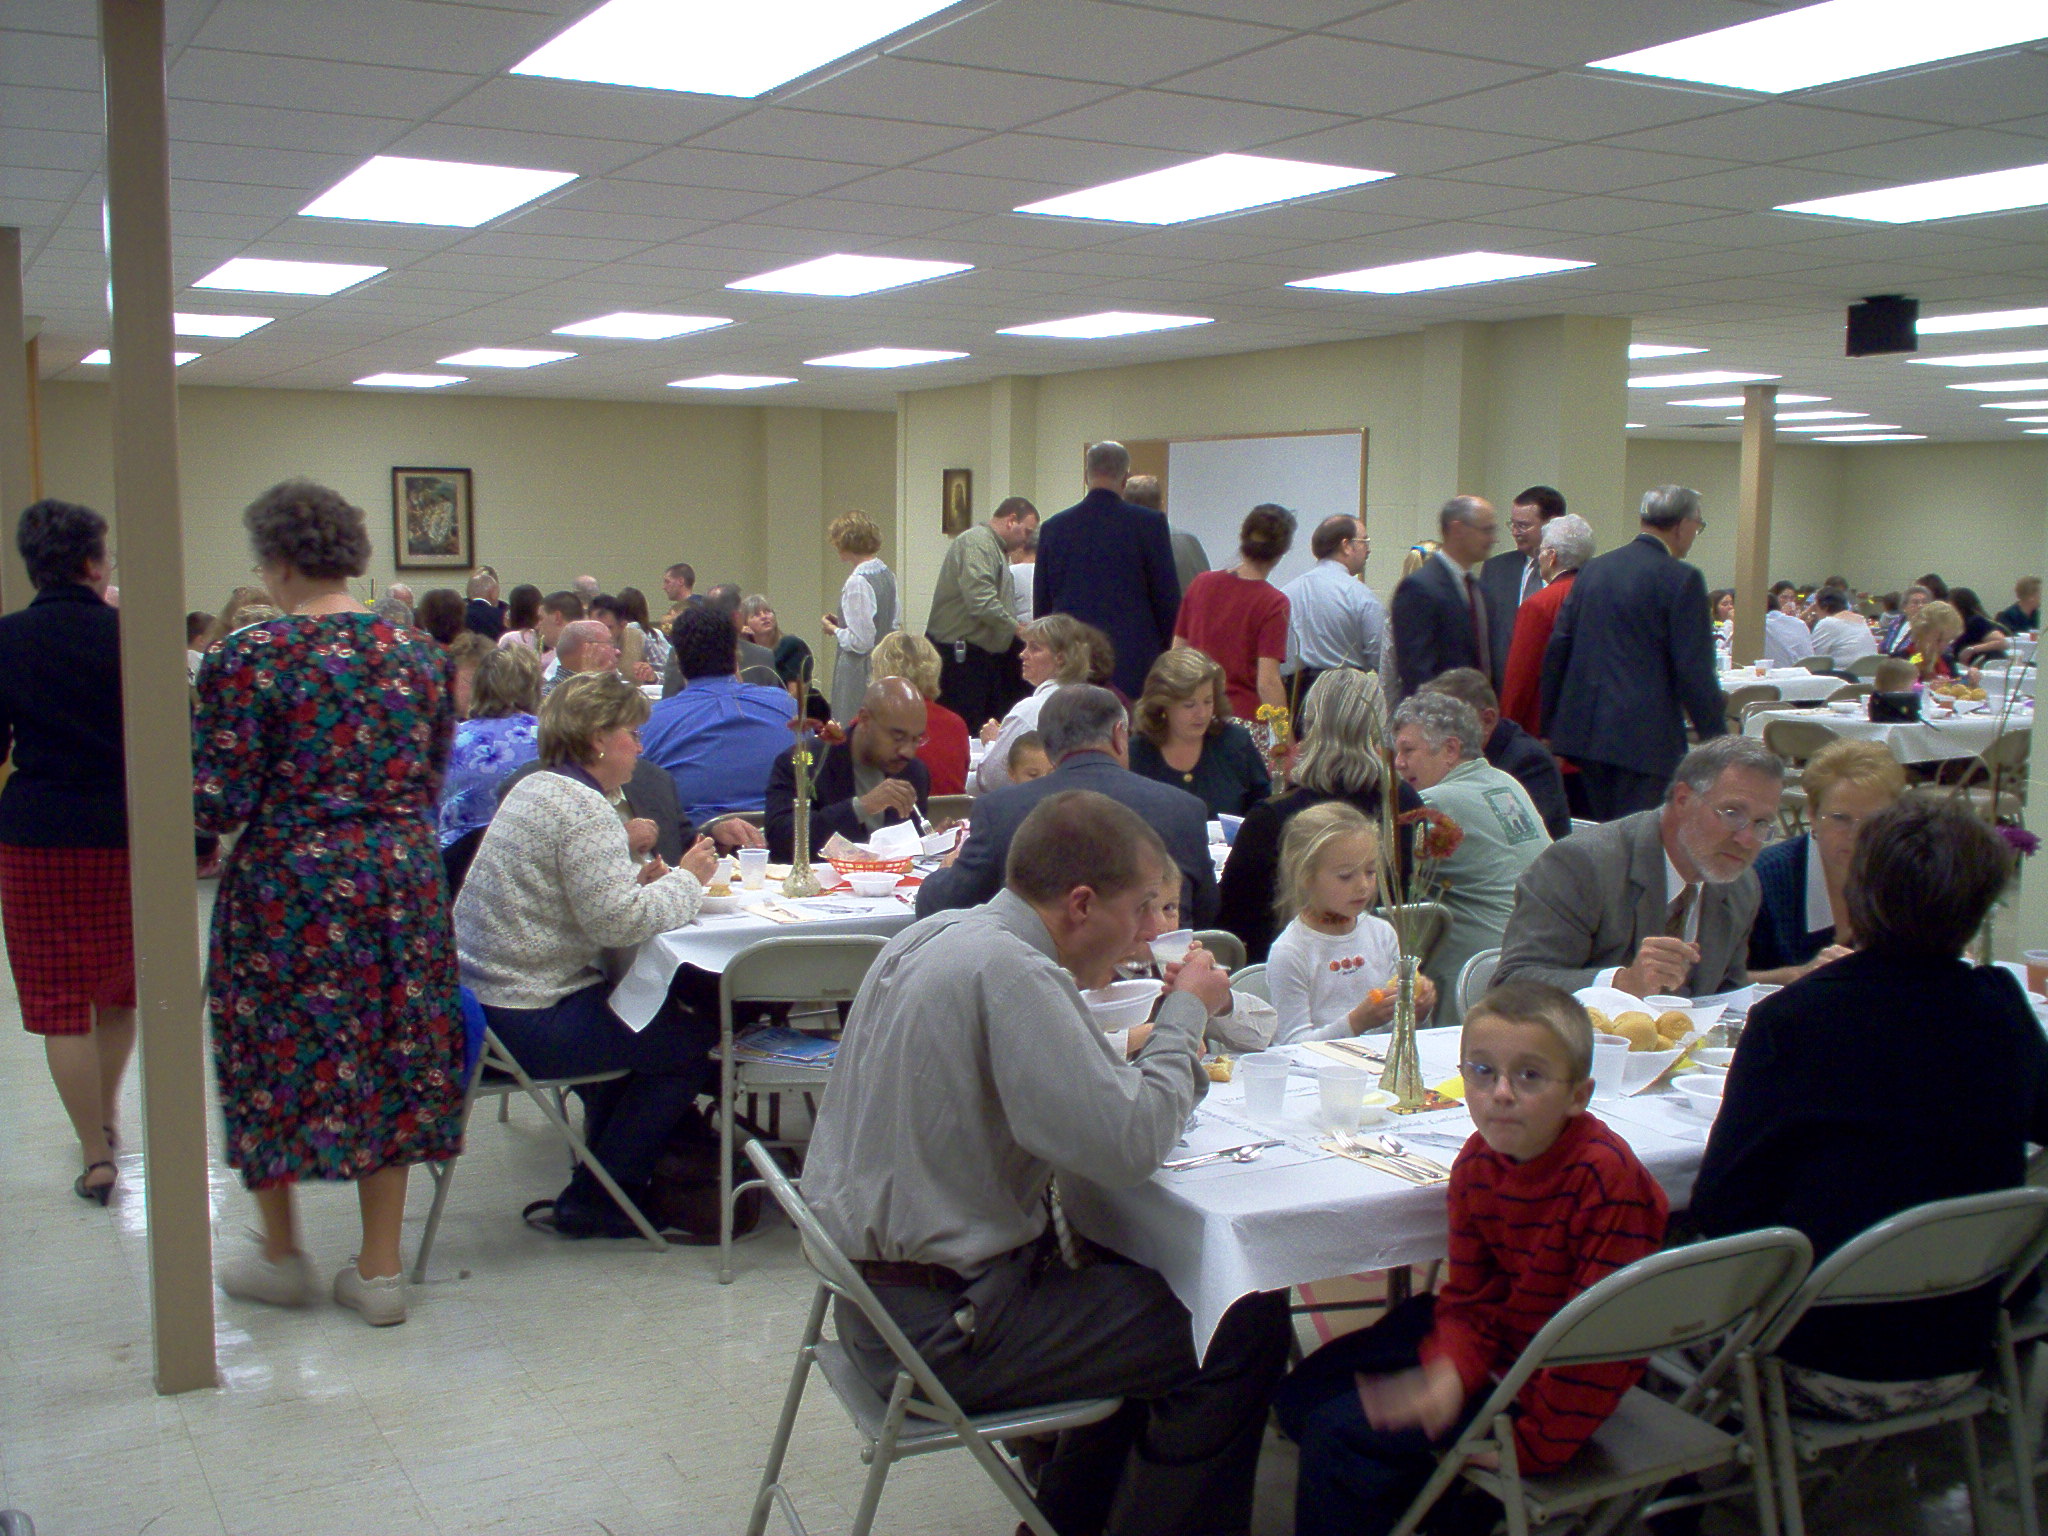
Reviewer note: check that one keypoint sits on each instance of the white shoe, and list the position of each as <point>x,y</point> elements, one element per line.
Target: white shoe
<point>381,1301</point>
<point>288,1282</point>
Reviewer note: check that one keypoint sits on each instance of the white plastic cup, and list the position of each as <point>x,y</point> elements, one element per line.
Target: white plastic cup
<point>1610,1065</point>
<point>1343,1090</point>
<point>1171,948</point>
<point>753,868</point>
<point>1264,1075</point>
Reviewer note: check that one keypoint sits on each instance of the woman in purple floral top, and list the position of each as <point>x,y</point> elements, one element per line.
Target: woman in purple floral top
<point>337,1025</point>
<point>500,736</point>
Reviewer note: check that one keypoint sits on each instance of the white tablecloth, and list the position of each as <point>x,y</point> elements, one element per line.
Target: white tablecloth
<point>715,938</point>
<point>2001,678</point>
<point>1293,1217</point>
<point>1926,741</point>
<point>1795,684</point>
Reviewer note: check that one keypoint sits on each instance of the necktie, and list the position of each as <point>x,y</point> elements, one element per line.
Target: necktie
<point>1484,655</point>
<point>1679,914</point>
<point>1532,582</point>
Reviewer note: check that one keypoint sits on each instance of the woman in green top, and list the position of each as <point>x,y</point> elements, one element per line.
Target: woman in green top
<point>1185,736</point>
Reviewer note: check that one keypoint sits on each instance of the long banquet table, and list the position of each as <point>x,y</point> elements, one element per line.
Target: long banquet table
<point>1930,740</point>
<point>1298,1215</point>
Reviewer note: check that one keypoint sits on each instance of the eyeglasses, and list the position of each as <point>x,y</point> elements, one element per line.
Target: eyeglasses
<point>904,738</point>
<point>1736,821</point>
<point>1842,821</point>
<point>1480,1077</point>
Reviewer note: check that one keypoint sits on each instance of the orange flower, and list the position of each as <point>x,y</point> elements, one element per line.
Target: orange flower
<point>1440,836</point>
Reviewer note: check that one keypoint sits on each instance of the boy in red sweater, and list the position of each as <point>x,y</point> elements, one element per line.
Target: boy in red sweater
<point>1544,1201</point>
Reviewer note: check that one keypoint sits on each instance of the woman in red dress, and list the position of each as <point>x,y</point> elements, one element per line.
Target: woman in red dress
<point>1239,618</point>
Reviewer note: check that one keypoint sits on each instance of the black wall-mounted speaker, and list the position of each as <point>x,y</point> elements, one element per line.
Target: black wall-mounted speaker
<point>1886,323</point>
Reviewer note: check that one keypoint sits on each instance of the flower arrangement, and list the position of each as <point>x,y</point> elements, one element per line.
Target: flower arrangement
<point>1276,741</point>
<point>1429,837</point>
<point>805,758</point>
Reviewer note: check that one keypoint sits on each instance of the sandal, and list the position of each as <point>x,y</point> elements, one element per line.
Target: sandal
<point>99,1192</point>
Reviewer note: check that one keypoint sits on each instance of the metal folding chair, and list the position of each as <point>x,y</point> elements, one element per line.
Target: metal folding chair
<point>1252,979</point>
<point>940,808</point>
<point>1943,1248</point>
<point>1474,978</point>
<point>1728,1289</point>
<point>798,968</point>
<point>1432,920</point>
<point>1226,946</point>
<point>918,1417</point>
<point>1820,666</point>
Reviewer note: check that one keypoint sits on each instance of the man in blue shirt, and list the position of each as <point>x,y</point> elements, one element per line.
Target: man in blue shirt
<point>719,736</point>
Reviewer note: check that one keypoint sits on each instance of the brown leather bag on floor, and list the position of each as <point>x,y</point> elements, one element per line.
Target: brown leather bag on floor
<point>682,1194</point>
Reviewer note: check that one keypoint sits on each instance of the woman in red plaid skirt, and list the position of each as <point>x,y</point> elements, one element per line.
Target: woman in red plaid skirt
<point>64,826</point>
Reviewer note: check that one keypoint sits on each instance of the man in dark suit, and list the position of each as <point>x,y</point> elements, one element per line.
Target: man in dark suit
<point>1110,564</point>
<point>872,779</point>
<point>1658,902</point>
<point>1513,578</point>
<point>1443,617</point>
<point>1088,739</point>
<point>1510,748</point>
<point>1631,658</point>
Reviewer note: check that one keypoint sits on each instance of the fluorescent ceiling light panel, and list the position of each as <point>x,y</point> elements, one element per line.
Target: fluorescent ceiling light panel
<point>1111,322</point>
<point>1722,401</point>
<point>395,189</point>
<point>1836,426</point>
<point>1638,350</point>
<point>1878,437</point>
<point>1983,320</point>
<point>1984,359</point>
<point>1955,197</point>
<point>730,381</point>
<point>411,380</point>
<point>502,357</point>
<point>259,274</point>
<point>2037,431</point>
<point>1460,271</point>
<point>714,50</point>
<point>2014,405</point>
<point>1814,415</point>
<point>105,359</point>
<point>218,325</point>
<point>1203,189</point>
<point>1838,40</point>
<point>1693,380</point>
<point>1631,425</point>
<point>882,357</point>
<point>846,277</point>
<point>2003,386</point>
<point>2027,418</point>
<point>630,325</point>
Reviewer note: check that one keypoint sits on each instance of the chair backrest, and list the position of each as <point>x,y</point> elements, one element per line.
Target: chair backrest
<point>1817,663</point>
<point>799,968</point>
<point>1251,979</point>
<point>1429,922</point>
<point>1796,740</point>
<point>949,807</point>
<point>1865,666</point>
<point>1942,1248</point>
<point>1850,691</point>
<point>765,677</point>
<point>1751,693</point>
<point>2011,752</point>
<point>1226,946</point>
<point>1475,977</point>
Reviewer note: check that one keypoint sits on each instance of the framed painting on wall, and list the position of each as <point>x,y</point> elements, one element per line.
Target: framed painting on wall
<point>957,487</point>
<point>433,523</point>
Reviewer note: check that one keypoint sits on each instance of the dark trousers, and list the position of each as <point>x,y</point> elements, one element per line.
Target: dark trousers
<point>971,680</point>
<point>1356,1480</point>
<point>1613,792</point>
<point>1178,1459</point>
<point>628,1120</point>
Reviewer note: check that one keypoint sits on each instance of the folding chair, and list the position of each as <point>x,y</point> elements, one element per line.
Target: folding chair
<point>1730,1289</point>
<point>949,808</point>
<point>1432,920</point>
<point>1226,946</point>
<point>1739,701</point>
<point>799,968</point>
<point>1818,665</point>
<point>1849,692</point>
<point>497,1074</point>
<point>1949,1247</point>
<point>1252,980</point>
<point>1865,666</point>
<point>1943,1248</point>
<point>1475,977</point>
<point>919,1415</point>
<point>1794,741</point>
<point>1994,784</point>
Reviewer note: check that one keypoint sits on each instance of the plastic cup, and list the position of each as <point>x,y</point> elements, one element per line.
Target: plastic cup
<point>1215,833</point>
<point>1264,1075</point>
<point>1610,1066</point>
<point>1343,1090</point>
<point>753,868</point>
<point>1171,948</point>
<point>2037,969</point>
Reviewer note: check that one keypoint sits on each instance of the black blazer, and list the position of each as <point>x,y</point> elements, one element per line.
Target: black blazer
<point>1181,820</point>
<point>1501,579</point>
<point>1433,627</point>
<point>1814,1133</point>
<point>1110,564</point>
<point>485,617</point>
<point>1631,659</point>
<point>832,807</point>
<point>60,712</point>
<point>1515,752</point>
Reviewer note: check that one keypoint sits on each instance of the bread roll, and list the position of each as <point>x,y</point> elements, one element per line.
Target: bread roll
<point>1673,1025</point>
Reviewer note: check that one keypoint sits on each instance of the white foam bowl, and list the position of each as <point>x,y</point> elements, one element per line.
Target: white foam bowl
<point>1715,1056</point>
<point>1377,1102</point>
<point>731,903</point>
<point>1701,1092</point>
<point>1169,947</point>
<point>873,885</point>
<point>1702,1018</point>
<point>1123,1003</point>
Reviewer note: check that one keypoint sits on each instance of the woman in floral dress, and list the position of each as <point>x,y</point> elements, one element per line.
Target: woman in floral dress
<point>337,1026</point>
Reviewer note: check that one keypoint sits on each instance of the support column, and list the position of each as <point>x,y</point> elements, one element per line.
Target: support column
<point>17,451</point>
<point>1012,445</point>
<point>1450,456</point>
<point>1753,526</point>
<point>158,728</point>
<point>793,524</point>
<point>2032,901</point>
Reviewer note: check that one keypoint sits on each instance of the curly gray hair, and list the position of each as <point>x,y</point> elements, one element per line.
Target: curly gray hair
<point>1440,718</point>
<point>309,529</point>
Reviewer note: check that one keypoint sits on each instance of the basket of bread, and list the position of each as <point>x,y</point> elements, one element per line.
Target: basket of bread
<point>1658,1030</point>
<point>1961,692</point>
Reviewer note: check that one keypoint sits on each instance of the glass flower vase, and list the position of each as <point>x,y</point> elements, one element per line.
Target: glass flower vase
<point>802,880</point>
<point>1403,1074</point>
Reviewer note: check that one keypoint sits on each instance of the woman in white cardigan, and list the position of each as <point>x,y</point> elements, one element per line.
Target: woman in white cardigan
<point>553,886</point>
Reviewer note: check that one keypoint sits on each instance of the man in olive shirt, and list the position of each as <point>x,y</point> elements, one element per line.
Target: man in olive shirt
<point>970,1072</point>
<point>973,623</point>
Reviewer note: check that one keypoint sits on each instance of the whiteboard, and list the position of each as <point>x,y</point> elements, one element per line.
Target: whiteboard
<point>1211,483</point>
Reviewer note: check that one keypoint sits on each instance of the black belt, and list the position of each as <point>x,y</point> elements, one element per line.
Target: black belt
<point>931,1277</point>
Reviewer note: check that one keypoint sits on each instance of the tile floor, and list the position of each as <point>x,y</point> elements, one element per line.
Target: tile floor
<point>540,1386</point>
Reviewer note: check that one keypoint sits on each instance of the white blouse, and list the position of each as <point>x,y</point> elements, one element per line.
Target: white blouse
<point>1316,979</point>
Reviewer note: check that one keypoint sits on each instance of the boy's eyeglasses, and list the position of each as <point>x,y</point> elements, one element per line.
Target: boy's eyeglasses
<point>1481,1077</point>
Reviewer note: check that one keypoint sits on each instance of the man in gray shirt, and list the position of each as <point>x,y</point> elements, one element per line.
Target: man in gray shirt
<point>1333,618</point>
<point>971,1072</point>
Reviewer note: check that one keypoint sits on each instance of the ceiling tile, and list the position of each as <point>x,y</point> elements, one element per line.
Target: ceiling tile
<point>1198,124</point>
<point>1573,107</point>
<point>784,174</point>
<point>1337,75</point>
<point>1553,34</point>
<point>591,111</point>
<point>28,106</point>
<point>1284,13</point>
<point>220,122</point>
<point>708,204</point>
<point>1086,40</point>
<point>50,60</point>
<point>1407,149</point>
<point>831,214</point>
<point>832,136</point>
<point>241,163</point>
<point>320,86</point>
<point>1590,168</point>
<point>947,94</point>
<point>1957,152</point>
<point>1770,130</point>
<point>506,146</point>
<point>1757,188</point>
<point>968,195</point>
<point>413,34</point>
<point>1967,93</point>
<point>32,183</point>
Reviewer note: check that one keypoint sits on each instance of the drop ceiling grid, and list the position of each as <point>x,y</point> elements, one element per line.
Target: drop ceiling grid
<point>1497,138</point>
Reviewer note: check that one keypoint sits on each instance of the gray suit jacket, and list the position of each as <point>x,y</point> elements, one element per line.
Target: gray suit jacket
<point>1591,898</point>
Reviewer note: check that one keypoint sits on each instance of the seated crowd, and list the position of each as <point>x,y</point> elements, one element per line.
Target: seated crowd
<point>579,769</point>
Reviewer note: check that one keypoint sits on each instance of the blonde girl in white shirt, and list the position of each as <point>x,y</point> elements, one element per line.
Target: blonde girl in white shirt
<point>1331,970</point>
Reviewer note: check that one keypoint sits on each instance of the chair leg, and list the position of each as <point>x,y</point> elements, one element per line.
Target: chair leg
<point>442,1173</point>
<point>778,1448</point>
<point>1753,1432</point>
<point>728,1094</point>
<point>881,1456</point>
<point>1784,1454</point>
<point>1973,1474</point>
<point>2018,1420</point>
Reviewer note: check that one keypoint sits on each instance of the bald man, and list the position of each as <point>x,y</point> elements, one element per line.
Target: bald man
<point>872,779</point>
<point>585,646</point>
